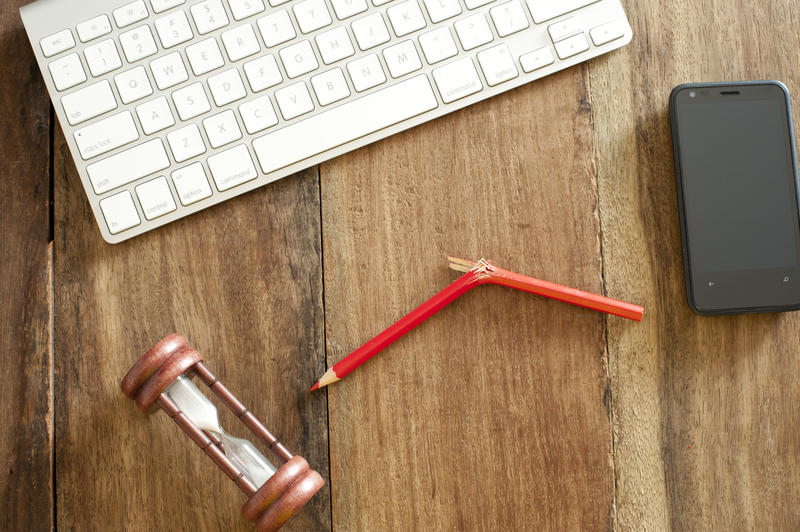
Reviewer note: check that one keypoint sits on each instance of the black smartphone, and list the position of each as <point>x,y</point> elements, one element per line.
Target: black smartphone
<point>736,170</point>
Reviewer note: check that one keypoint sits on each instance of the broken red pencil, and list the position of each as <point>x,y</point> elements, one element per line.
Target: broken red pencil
<point>476,273</point>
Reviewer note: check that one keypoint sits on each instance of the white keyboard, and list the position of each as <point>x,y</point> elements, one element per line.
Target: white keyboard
<point>171,106</point>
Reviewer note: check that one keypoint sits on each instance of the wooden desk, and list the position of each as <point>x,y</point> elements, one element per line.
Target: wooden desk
<point>504,412</point>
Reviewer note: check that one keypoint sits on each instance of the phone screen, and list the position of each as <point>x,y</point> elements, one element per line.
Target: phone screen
<point>739,194</point>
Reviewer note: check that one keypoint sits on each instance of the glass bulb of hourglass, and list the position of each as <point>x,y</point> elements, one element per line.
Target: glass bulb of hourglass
<point>203,414</point>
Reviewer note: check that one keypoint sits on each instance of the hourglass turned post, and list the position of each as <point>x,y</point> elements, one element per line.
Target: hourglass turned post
<point>162,377</point>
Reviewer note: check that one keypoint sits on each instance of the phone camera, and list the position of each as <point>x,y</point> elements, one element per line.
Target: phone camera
<point>692,94</point>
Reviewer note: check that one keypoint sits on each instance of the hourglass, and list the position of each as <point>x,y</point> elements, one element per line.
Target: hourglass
<point>163,377</point>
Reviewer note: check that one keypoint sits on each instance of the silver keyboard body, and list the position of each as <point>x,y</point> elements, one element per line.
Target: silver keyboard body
<point>316,135</point>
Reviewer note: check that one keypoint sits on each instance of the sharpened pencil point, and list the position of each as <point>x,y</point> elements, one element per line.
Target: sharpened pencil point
<point>315,387</point>
<point>329,378</point>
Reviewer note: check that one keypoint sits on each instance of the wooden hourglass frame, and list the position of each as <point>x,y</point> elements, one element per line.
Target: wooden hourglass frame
<point>269,505</point>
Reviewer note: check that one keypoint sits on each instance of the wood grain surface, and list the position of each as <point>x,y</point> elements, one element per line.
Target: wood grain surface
<point>491,415</point>
<point>705,409</point>
<point>242,282</point>
<point>26,482</point>
<point>505,411</point>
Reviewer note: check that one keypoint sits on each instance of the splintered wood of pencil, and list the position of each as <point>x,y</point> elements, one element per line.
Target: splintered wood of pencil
<point>489,273</point>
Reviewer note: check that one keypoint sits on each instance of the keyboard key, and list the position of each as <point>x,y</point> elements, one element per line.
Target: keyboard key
<point>349,121</point>
<point>191,101</point>
<point>401,59</point>
<point>544,10</point>
<point>276,28</point>
<point>209,16</point>
<point>138,43</point>
<point>406,17</point>
<point>536,59</point>
<point>94,28</point>
<point>311,15</point>
<point>366,72</point>
<point>133,85</point>
<point>438,45</point>
<point>222,129</point>
<point>57,43</point>
<point>330,86</point>
<point>563,29</point>
<point>174,29</point>
<point>497,64</point>
<point>334,45</point>
<point>294,100</point>
<point>204,56</point>
<point>473,4</point>
<point>159,6</point>
<point>232,167</point>
<point>227,87</point>
<point>348,8</point>
<point>106,135</point>
<point>263,73</point>
<point>169,71</point>
<point>119,212</point>
<point>130,13</point>
<point>298,59</point>
<point>155,115</point>
<point>155,198</point>
<point>473,31</point>
<point>607,33</point>
<point>191,184</point>
<point>129,165</point>
<point>186,143</point>
<point>102,57</point>
<point>509,18</point>
<point>440,10</point>
<point>241,42</point>
<point>89,102</point>
<point>457,80</point>
<point>377,3</point>
<point>67,72</point>
<point>370,31</point>
<point>242,9</point>
<point>572,46</point>
<point>258,114</point>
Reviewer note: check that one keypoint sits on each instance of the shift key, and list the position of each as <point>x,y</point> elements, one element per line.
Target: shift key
<point>127,166</point>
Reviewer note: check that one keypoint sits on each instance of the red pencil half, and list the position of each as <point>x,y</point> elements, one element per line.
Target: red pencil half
<point>476,273</point>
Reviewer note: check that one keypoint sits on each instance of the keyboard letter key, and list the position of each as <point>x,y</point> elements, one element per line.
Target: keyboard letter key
<point>129,165</point>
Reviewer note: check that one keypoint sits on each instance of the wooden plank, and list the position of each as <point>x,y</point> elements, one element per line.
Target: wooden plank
<point>491,415</point>
<point>704,408</point>
<point>26,490</point>
<point>243,282</point>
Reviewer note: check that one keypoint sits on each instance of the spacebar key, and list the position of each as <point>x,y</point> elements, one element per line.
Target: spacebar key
<point>345,123</point>
<point>127,166</point>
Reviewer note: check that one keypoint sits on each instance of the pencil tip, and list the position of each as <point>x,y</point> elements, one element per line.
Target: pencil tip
<point>315,387</point>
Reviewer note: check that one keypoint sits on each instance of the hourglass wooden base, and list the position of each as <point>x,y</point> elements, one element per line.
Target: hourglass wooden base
<point>269,505</point>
